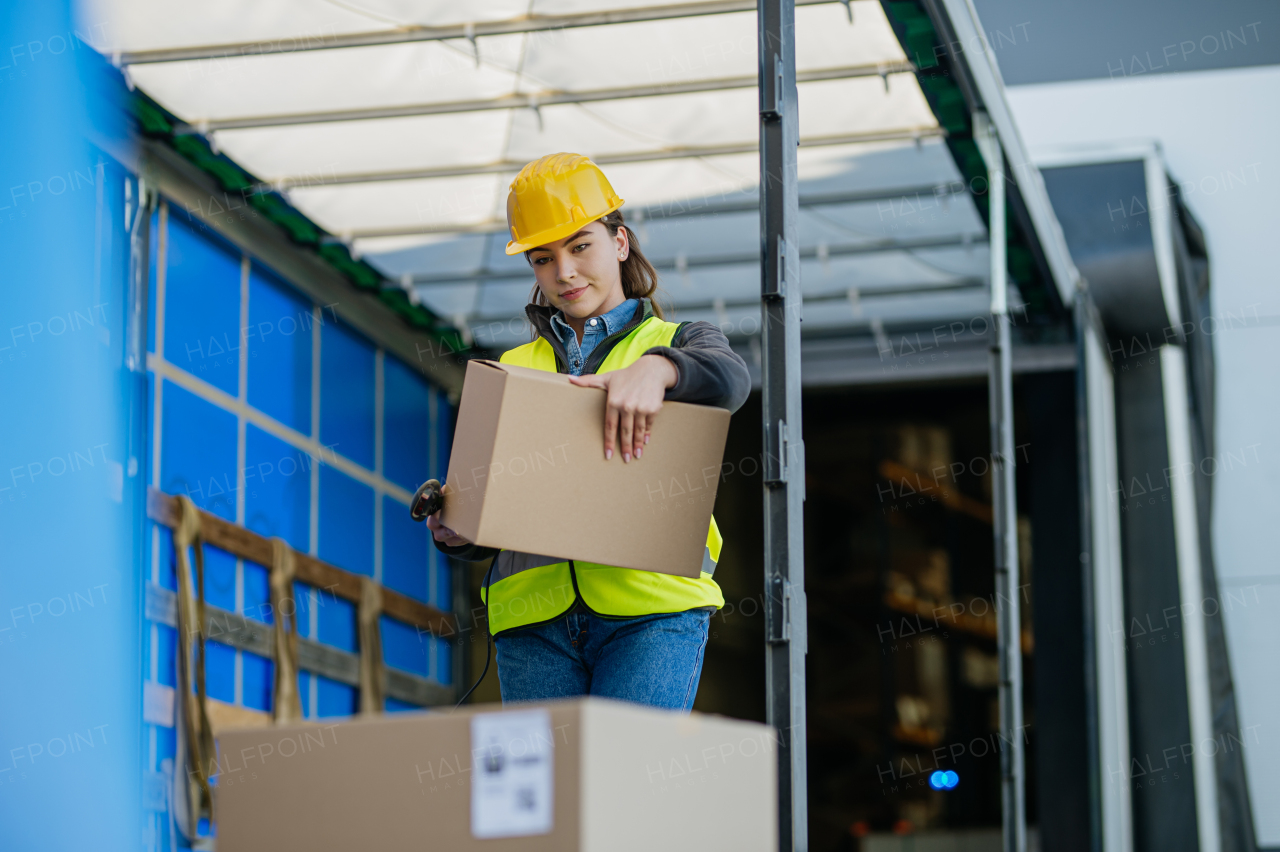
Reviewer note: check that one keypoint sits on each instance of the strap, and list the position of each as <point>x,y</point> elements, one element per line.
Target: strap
<point>372,673</point>
<point>192,784</point>
<point>287,704</point>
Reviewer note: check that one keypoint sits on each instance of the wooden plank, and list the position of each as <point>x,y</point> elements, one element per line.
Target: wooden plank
<point>423,616</point>
<point>322,575</point>
<point>162,508</point>
<point>239,632</point>
<point>333,663</point>
<point>412,689</point>
<point>224,716</point>
<point>161,605</point>
<point>256,637</point>
<point>237,541</point>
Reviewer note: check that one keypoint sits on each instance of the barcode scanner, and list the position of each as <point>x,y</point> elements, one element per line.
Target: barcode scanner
<point>428,500</point>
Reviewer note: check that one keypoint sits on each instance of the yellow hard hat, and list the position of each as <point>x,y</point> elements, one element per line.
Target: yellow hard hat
<point>555,196</point>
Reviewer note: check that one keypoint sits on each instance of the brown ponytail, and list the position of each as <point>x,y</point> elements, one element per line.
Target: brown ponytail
<point>639,278</point>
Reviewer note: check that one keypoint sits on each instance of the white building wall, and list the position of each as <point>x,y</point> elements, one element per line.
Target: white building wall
<point>1220,134</point>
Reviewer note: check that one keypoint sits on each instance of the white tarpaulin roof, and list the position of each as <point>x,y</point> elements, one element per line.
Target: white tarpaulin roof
<point>402,140</point>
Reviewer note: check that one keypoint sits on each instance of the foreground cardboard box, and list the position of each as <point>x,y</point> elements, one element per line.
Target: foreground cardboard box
<point>585,775</point>
<point>528,473</point>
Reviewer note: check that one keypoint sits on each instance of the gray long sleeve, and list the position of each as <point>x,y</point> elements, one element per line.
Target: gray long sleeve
<point>465,552</point>
<point>711,373</point>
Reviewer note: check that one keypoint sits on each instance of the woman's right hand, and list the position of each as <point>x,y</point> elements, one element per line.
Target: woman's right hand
<point>443,534</point>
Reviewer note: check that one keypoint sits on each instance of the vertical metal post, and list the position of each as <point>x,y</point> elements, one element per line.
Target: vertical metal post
<point>1004,498</point>
<point>785,620</point>
<point>1084,456</point>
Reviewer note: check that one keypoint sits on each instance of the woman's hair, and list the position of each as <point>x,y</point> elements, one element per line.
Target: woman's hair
<point>639,278</point>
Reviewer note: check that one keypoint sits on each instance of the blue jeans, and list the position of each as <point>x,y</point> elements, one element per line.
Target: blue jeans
<point>653,659</point>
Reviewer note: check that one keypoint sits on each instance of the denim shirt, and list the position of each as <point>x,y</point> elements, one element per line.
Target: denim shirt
<point>595,330</point>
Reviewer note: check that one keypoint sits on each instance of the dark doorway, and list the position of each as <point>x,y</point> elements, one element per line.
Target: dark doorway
<point>902,666</point>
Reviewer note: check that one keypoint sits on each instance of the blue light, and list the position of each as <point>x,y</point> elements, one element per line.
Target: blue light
<point>940,780</point>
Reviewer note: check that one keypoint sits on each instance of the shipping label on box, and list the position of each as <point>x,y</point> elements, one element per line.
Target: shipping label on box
<point>528,473</point>
<point>511,779</point>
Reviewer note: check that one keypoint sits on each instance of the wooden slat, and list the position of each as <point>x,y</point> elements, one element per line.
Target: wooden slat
<point>224,716</point>
<point>222,534</point>
<point>404,608</point>
<point>412,689</point>
<point>162,508</point>
<point>322,575</point>
<point>234,630</point>
<point>333,663</point>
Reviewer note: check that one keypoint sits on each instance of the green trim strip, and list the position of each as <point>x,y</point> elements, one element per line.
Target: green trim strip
<point>921,42</point>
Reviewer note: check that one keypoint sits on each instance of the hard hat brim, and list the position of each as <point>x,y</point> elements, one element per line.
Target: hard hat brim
<point>559,232</point>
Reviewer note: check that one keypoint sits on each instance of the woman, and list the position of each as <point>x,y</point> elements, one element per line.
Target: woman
<point>587,629</point>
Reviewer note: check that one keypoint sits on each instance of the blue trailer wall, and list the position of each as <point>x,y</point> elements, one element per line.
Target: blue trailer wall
<point>261,406</point>
<point>70,477</point>
<point>266,410</point>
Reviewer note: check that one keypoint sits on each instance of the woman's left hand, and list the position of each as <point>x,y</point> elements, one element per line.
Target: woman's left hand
<point>634,400</point>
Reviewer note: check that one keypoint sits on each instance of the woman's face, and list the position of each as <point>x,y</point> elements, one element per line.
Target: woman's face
<point>581,274</point>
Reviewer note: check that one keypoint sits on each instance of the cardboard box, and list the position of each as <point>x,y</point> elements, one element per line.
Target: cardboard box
<point>584,775</point>
<point>528,473</point>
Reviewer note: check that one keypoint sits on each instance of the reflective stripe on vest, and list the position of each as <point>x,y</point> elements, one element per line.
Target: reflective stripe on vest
<point>527,589</point>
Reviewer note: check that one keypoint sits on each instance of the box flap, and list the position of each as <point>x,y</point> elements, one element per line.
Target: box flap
<point>529,372</point>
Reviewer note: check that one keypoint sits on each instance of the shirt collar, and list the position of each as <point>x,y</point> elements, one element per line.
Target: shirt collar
<point>613,319</point>
<point>619,316</point>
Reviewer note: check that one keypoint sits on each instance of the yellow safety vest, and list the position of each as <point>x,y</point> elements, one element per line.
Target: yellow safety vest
<point>528,589</point>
